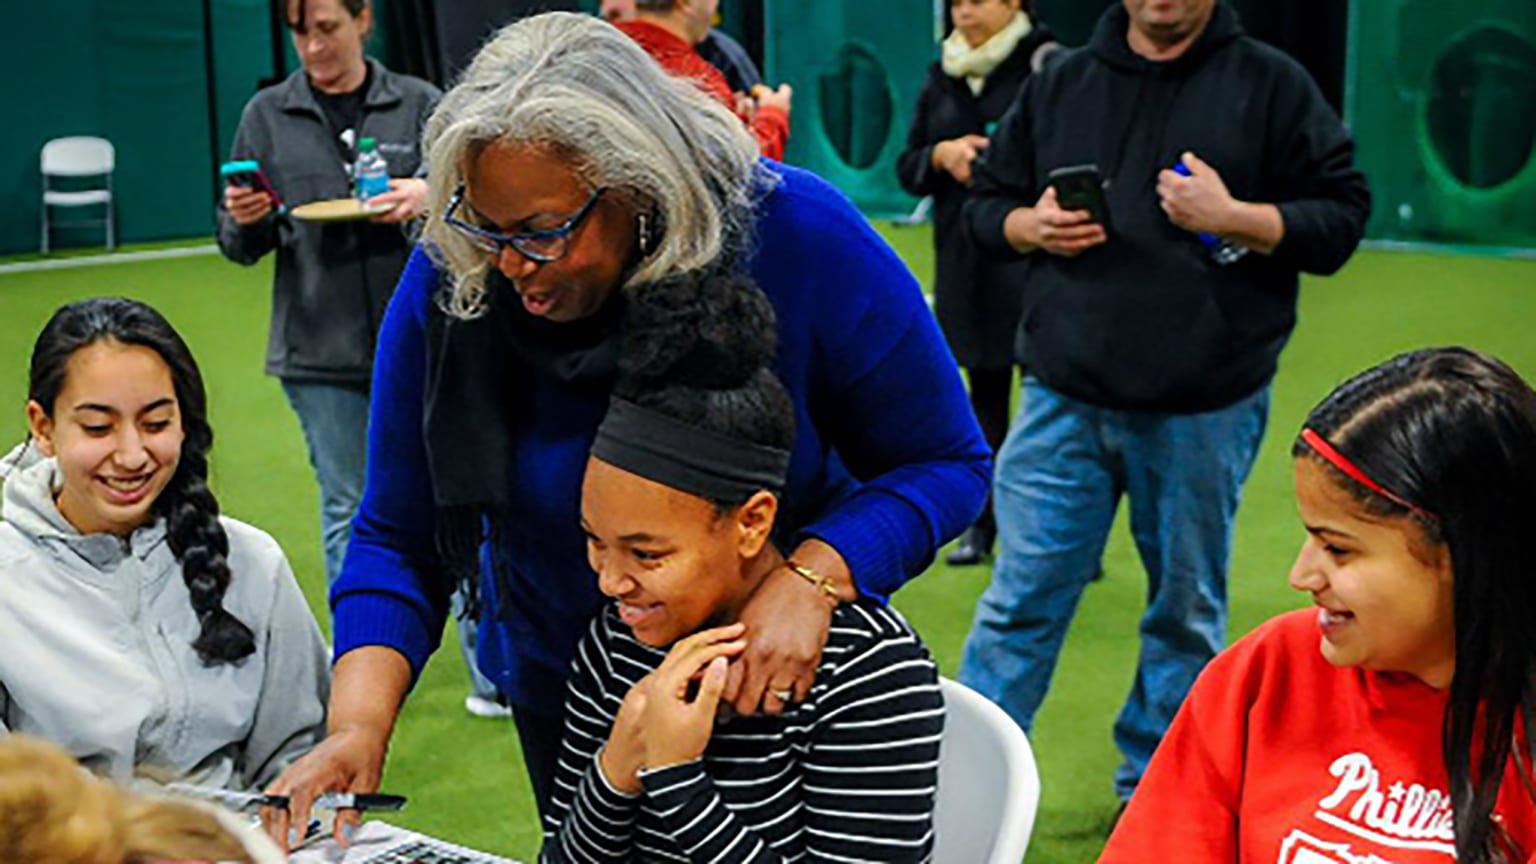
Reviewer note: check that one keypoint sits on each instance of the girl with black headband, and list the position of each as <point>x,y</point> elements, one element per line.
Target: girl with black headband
<point>139,629</point>
<point>1390,723</point>
<point>569,170</point>
<point>679,505</point>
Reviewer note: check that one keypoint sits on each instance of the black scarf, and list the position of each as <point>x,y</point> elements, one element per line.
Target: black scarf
<point>475,401</point>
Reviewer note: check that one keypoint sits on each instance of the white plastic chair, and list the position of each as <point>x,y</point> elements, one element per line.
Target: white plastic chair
<point>78,156</point>
<point>988,784</point>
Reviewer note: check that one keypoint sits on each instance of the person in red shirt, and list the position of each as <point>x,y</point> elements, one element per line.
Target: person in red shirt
<point>1388,725</point>
<point>668,30</point>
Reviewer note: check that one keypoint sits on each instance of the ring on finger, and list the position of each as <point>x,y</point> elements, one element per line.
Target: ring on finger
<point>783,695</point>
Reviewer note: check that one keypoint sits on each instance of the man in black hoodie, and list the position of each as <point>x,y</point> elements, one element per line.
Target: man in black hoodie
<point>1150,343</point>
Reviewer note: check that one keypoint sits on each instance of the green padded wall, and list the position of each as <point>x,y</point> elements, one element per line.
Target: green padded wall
<point>857,69</point>
<point>1442,99</point>
<point>136,74</point>
<point>242,57</point>
<point>130,72</point>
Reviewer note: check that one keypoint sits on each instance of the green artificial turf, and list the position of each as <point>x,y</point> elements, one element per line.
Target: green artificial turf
<point>464,775</point>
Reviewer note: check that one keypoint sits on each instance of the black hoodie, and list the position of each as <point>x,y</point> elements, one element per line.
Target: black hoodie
<point>1147,321</point>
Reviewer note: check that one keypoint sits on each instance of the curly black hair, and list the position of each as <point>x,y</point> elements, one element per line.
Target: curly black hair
<point>699,348</point>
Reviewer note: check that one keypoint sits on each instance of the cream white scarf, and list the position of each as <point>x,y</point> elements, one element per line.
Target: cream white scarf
<point>975,64</point>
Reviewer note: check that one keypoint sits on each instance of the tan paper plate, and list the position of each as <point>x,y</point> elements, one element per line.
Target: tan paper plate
<point>337,210</point>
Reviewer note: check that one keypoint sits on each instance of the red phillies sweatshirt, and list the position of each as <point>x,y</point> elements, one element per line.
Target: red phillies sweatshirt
<point>1278,757</point>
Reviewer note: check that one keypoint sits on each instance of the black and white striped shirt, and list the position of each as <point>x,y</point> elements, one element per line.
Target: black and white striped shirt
<point>849,775</point>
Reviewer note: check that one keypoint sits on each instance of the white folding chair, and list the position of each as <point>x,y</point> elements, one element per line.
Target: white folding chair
<point>988,784</point>
<point>78,156</point>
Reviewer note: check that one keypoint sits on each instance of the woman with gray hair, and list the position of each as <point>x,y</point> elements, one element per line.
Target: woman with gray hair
<point>567,170</point>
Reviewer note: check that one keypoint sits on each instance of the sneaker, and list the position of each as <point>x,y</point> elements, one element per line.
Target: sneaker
<point>974,548</point>
<point>483,707</point>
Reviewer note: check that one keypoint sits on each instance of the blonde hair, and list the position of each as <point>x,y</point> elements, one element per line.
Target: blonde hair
<point>576,86</point>
<point>53,812</point>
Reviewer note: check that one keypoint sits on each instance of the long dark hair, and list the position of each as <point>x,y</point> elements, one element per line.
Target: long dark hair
<point>698,348</point>
<point>298,23</point>
<point>1453,432</point>
<point>194,533</point>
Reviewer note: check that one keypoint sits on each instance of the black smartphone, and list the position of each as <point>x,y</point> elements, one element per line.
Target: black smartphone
<point>1079,187</point>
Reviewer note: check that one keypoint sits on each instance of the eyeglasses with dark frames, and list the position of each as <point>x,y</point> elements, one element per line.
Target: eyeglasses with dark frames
<point>542,246</point>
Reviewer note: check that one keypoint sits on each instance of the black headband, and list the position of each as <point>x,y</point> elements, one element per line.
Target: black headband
<point>689,459</point>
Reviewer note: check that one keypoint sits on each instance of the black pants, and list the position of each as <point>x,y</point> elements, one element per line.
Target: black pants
<point>540,739</point>
<point>991,390</point>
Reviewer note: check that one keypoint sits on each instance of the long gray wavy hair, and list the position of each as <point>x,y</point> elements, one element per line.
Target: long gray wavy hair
<point>575,85</point>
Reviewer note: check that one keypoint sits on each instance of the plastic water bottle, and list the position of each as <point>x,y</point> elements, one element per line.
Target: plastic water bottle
<point>370,173</point>
<point>1223,252</point>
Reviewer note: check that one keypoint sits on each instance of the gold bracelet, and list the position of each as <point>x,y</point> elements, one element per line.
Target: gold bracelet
<point>824,584</point>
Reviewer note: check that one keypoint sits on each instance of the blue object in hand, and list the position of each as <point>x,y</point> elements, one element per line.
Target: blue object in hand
<point>1211,241</point>
<point>1222,252</point>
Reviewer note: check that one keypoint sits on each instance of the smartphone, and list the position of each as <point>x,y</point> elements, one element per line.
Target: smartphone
<point>1079,187</point>
<point>248,173</point>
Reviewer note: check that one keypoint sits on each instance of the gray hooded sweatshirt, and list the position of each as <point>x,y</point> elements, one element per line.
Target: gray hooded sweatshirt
<point>96,652</point>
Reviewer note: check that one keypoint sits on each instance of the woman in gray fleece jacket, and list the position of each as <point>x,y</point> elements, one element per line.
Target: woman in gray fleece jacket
<point>140,630</point>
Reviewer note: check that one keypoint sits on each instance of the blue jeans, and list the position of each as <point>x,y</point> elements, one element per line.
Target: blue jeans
<point>468,628</point>
<point>1060,475</point>
<point>335,423</point>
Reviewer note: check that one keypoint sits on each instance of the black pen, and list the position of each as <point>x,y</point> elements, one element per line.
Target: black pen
<point>341,801</point>
<point>247,801</point>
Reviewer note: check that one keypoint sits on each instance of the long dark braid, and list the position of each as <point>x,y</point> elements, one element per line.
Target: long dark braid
<point>193,531</point>
<point>198,541</point>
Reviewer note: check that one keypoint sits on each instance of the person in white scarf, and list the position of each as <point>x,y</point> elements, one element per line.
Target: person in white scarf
<point>994,47</point>
<point>985,34</point>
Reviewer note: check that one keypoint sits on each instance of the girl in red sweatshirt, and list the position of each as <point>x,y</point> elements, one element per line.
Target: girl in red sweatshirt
<point>1387,725</point>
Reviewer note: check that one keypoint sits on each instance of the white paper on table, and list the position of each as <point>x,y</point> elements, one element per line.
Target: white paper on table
<point>376,840</point>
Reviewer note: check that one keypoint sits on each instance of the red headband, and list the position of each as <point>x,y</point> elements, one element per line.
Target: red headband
<point>1321,447</point>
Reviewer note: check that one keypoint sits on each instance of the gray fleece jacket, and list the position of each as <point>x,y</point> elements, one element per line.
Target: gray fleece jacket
<point>96,650</point>
<point>332,279</point>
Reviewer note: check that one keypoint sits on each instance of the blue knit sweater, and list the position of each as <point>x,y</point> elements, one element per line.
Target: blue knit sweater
<point>888,462</point>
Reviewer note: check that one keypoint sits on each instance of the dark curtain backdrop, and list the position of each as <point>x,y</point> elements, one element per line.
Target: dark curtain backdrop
<point>1313,31</point>
<point>744,20</point>
<point>435,39</point>
<point>415,28</point>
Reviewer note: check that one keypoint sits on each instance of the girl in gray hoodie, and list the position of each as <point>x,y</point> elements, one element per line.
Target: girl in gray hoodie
<point>139,629</point>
